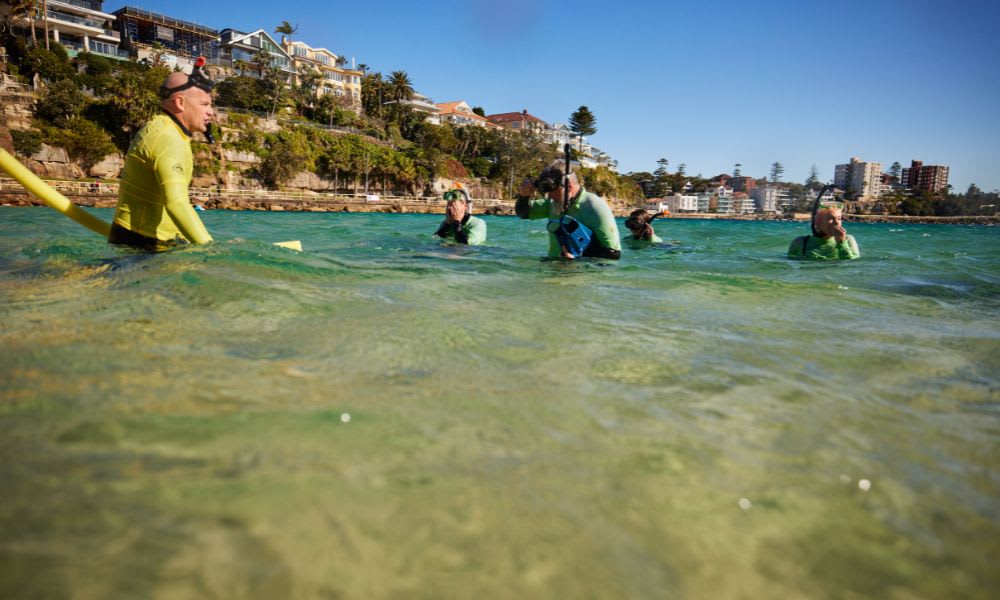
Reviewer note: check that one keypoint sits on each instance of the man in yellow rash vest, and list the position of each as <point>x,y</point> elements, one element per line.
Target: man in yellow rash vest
<point>154,212</point>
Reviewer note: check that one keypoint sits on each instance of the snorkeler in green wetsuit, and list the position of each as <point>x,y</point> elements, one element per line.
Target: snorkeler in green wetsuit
<point>640,223</point>
<point>153,211</point>
<point>589,209</point>
<point>829,240</point>
<point>459,224</point>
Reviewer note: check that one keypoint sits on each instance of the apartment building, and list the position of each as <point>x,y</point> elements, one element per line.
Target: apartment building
<point>79,25</point>
<point>769,200</point>
<point>862,180</point>
<point>336,78</point>
<point>925,178</point>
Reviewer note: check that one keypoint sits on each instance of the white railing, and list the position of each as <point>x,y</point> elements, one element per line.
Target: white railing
<point>110,188</point>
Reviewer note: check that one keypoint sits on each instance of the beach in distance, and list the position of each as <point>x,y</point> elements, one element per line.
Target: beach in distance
<point>387,415</point>
<point>104,195</point>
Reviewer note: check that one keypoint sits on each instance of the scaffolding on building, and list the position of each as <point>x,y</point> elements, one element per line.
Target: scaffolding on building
<point>143,28</point>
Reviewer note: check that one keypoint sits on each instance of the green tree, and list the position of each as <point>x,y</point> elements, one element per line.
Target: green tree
<point>243,92</point>
<point>583,122</point>
<point>84,141</point>
<point>61,103</point>
<point>661,183</point>
<point>288,152</point>
<point>736,170</point>
<point>681,168</point>
<point>895,170</point>
<point>12,13</point>
<point>50,64</point>
<point>97,72</point>
<point>776,170</point>
<point>374,93</point>
<point>306,92</point>
<point>478,110</point>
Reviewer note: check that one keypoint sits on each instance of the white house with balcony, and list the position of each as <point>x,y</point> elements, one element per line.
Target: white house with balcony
<point>244,47</point>
<point>79,25</point>
<point>460,114</point>
<point>559,134</point>
<point>424,105</point>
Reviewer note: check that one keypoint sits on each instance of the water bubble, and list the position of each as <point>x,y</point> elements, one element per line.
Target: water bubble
<point>864,485</point>
<point>842,287</point>
<point>345,418</point>
<point>745,503</point>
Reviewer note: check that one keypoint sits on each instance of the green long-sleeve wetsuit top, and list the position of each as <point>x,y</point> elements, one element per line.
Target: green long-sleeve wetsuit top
<point>472,231</point>
<point>587,208</point>
<point>813,247</point>
<point>639,244</point>
<point>153,195</point>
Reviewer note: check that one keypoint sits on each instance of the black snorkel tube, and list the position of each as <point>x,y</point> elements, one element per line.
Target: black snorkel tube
<point>565,181</point>
<point>816,203</point>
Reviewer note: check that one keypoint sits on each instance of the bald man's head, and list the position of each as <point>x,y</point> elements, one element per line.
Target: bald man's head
<point>191,106</point>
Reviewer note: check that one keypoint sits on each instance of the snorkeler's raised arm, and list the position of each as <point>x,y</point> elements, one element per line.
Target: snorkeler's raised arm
<point>849,248</point>
<point>528,207</point>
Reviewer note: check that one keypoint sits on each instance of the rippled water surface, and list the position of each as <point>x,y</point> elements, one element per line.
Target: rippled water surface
<point>386,416</point>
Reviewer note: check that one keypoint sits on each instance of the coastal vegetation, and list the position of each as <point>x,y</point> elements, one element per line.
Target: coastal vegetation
<point>90,106</point>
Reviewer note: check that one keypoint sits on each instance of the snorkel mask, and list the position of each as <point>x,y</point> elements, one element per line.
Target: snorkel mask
<point>197,79</point>
<point>819,204</point>
<point>459,194</point>
<point>548,180</point>
<point>640,218</point>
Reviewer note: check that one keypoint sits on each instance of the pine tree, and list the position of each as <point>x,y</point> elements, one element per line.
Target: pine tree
<point>582,122</point>
<point>813,179</point>
<point>776,171</point>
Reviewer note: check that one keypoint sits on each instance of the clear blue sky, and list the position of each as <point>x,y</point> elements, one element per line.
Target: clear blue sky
<point>707,83</point>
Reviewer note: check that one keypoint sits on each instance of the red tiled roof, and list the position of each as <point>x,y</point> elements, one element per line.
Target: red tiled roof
<point>512,116</point>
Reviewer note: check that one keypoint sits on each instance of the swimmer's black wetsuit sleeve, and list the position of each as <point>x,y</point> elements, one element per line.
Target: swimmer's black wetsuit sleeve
<point>522,206</point>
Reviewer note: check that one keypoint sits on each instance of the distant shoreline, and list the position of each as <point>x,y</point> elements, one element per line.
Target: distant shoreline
<point>415,205</point>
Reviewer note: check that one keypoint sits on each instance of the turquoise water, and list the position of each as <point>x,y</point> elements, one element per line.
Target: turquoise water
<point>384,416</point>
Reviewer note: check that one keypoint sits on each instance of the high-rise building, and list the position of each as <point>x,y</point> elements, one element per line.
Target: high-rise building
<point>926,178</point>
<point>860,179</point>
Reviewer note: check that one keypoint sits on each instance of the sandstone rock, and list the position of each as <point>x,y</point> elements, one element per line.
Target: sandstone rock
<point>239,156</point>
<point>310,181</point>
<point>54,170</point>
<point>50,154</point>
<point>109,167</point>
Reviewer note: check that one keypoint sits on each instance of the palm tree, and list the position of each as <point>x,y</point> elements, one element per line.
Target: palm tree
<point>45,18</point>
<point>286,28</point>
<point>400,86</point>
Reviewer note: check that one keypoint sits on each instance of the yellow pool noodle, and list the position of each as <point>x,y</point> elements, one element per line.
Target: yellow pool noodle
<point>51,197</point>
<point>36,186</point>
<point>291,245</point>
